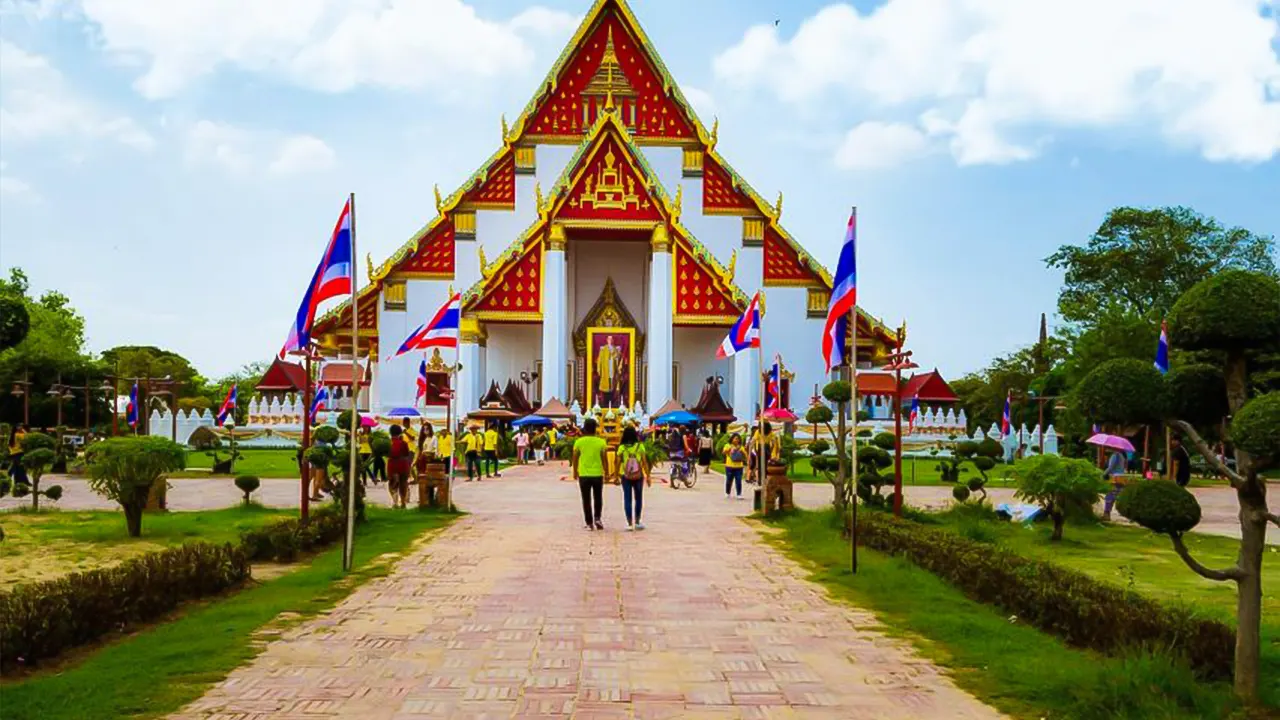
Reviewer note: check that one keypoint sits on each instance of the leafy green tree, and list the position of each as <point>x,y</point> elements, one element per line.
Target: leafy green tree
<point>840,393</point>
<point>1060,485</point>
<point>1122,392</point>
<point>1141,260</point>
<point>247,484</point>
<point>125,469</point>
<point>38,454</point>
<point>14,320</point>
<point>1231,314</point>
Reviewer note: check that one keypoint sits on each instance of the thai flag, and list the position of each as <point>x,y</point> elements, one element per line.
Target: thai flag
<point>745,333</point>
<point>228,406</point>
<point>773,389</point>
<point>844,297</point>
<point>440,331</point>
<point>422,381</point>
<point>334,277</point>
<point>1162,349</point>
<point>131,410</point>
<point>317,403</point>
<point>915,413</point>
<point>1006,421</point>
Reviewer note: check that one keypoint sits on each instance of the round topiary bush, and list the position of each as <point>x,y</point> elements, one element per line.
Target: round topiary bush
<point>1197,394</point>
<point>1124,391</point>
<point>818,447</point>
<point>885,441</point>
<point>1229,310</point>
<point>1256,428</point>
<point>819,415</point>
<point>974,485</point>
<point>318,457</point>
<point>326,434</point>
<point>247,484</point>
<point>1159,506</point>
<point>837,391</point>
<point>960,493</point>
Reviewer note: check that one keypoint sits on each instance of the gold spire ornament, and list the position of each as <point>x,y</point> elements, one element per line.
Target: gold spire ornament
<point>439,200</point>
<point>485,272</point>
<point>506,131</point>
<point>777,211</point>
<point>368,260</point>
<point>715,133</point>
<point>677,204</point>
<point>733,265</point>
<point>537,193</point>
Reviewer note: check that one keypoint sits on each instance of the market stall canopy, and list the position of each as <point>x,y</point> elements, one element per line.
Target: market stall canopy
<point>555,410</point>
<point>677,417</point>
<point>532,420</point>
<point>668,407</point>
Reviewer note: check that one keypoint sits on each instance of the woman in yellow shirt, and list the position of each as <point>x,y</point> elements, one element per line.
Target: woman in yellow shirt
<point>772,448</point>
<point>17,471</point>
<point>735,459</point>
<point>444,449</point>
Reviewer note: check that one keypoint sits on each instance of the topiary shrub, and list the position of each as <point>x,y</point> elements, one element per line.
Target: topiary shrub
<point>837,391</point>
<point>124,469</point>
<point>1160,506</point>
<point>1256,428</point>
<point>1124,391</point>
<point>1060,485</point>
<point>960,493</point>
<point>1197,394</point>
<point>247,484</point>
<point>38,456</point>
<point>885,441</point>
<point>326,435</point>
<point>819,447</point>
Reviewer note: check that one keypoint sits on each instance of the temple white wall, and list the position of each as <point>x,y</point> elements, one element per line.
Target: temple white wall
<point>695,353</point>
<point>591,262</point>
<point>512,349</point>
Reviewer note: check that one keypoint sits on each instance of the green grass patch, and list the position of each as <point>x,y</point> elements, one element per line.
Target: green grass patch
<point>261,462</point>
<point>1013,667</point>
<point>51,543</point>
<point>158,670</point>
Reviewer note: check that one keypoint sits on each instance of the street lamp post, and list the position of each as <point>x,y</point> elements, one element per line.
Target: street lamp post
<point>22,388</point>
<point>897,363</point>
<point>59,392</point>
<point>111,388</point>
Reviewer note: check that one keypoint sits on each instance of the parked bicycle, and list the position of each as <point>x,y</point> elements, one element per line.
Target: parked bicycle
<point>684,471</point>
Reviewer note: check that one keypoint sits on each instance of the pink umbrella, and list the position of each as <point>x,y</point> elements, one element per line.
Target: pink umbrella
<point>781,415</point>
<point>1111,441</point>
<point>368,421</point>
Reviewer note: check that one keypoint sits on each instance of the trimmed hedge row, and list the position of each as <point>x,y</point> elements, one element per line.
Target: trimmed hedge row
<point>283,540</point>
<point>41,620</point>
<point>1069,604</point>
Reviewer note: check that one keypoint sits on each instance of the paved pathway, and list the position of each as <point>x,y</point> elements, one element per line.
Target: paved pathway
<point>1218,504</point>
<point>517,611</point>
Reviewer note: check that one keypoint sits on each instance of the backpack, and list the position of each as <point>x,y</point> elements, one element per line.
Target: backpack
<point>631,467</point>
<point>736,454</point>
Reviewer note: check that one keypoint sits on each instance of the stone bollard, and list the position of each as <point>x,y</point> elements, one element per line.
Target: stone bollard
<point>778,489</point>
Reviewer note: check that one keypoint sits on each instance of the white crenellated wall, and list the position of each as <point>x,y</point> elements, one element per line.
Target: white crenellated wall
<point>695,352</point>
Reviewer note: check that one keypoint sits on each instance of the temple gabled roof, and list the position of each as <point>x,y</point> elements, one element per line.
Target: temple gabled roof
<point>516,401</point>
<point>711,406</point>
<point>929,387</point>
<point>282,377</point>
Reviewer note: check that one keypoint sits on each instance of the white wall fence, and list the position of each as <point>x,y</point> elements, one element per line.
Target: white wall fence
<point>274,414</point>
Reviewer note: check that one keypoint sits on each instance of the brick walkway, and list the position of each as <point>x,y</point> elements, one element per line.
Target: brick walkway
<point>516,611</point>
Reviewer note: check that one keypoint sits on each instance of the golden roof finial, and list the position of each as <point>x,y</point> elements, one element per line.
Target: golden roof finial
<point>450,289</point>
<point>733,264</point>
<point>368,260</point>
<point>506,131</point>
<point>484,263</point>
<point>715,133</point>
<point>608,101</point>
<point>777,210</point>
<point>676,205</point>
<point>439,200</point>
<point>537,192</point>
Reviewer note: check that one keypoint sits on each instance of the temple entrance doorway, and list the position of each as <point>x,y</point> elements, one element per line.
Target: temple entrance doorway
<point>608,278</point>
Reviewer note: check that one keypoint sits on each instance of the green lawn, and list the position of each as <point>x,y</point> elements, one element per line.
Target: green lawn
<point>52,542</point>
<point>262,462</point>
<point>924,472</point>
<point>158,670</point>
<point>1015,668</point>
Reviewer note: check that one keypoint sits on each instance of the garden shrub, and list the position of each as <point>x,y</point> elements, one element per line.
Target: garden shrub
<point>1160,506</point>
<point>247,484</point>
<point>1256,428</point>
<point>1082,611</point>
<point>124,469</point>
<point>284,540</point>
<point>38,456</point>
<point>1064,487</point>
<point>960,493</point>
<point>326,435</point>
<point>40,620</point>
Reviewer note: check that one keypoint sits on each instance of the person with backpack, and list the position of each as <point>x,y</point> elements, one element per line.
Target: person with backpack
<point>633,468</point>
<point>735,459</point>
<point>398,464</point>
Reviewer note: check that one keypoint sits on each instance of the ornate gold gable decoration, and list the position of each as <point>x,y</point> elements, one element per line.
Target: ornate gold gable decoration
<point>605,191</point>
<point>609,80</point>
<point>608,311</point>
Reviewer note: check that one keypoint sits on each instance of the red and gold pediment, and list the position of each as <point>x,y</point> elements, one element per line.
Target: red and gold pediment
<point>434,256</point>
<point>702,296</point>
<point>609,60</point>
<point>494,187</point>
<point>783,264</point>
<point>513,292</point>
<point>609,186</point>
<point>333,330</point>
<point>720,194</point>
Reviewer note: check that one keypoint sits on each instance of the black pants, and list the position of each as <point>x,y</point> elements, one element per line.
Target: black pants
<point>491,462</point>
<point>473,465</point>
<point>592,489</point>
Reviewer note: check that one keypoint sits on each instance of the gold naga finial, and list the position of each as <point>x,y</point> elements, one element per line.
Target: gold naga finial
<point>484,262</point>
<point>368,260</point>
<point>777,210</point>
<point>733,264</point>
<point>506,131</point>
<point>439,201</point>
<point>715,133</point>
<point>537,193</point>
<point>678,204</point>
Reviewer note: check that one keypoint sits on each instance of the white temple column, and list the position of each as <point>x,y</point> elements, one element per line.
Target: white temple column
<point>746,385</point>
<point>471,339</point>
<point>659,333</point>
<point>555,301</point>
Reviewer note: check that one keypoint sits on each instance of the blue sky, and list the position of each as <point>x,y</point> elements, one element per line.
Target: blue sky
<point>174,167</point>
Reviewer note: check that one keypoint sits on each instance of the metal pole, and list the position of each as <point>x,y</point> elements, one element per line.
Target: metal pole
<point>57,388</point>
<point>305,467</point>
<point>853,451</point>
<point>448,419</point>
<point>352,444</point>
<point>765,500</point>
<point>897,429</point>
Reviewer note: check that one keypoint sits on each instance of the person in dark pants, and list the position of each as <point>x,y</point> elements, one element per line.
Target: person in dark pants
<point>588,470</point>
<point>473,445</point>
<point>633,469</point>
<point>1181,463</point>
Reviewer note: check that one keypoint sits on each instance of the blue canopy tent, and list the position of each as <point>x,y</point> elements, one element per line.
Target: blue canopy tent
<point>404,412</point>
<point>677,417</point>
<point>532,420</point>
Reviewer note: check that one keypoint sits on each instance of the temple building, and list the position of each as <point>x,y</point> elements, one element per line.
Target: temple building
<point>602,252</point>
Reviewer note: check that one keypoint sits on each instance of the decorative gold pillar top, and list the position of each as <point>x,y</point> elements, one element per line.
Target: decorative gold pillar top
<point>660,240</point>
<point>470,331</point>
<point>556,237</point>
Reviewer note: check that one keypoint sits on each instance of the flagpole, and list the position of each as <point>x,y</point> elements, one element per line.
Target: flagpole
<point>348,548</point>
<point>853,405</point>
<point>305,467</point>
<point>448,414</point>
<point>767,500</point>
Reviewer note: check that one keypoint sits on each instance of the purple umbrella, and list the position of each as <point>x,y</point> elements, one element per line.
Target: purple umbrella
<point>1111,441</point>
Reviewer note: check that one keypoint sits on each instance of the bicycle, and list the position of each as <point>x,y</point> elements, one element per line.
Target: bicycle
<point>683,471</point>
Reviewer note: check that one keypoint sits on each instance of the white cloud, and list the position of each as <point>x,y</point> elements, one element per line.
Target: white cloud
<point>242,151</point>
<point>329,45</point>
<point>302,154</point>
<point>36,103</point>
<point>995,78</point>
<point>703,103</point>
<point>16,188</point>
<point>874,144</point>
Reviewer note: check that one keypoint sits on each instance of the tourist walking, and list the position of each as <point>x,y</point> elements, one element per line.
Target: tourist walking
<point>588,470</point>
<point>473,445</point>
<point>427,444</point>
<point>633,470</point>
<point>1116,467</point>
<point>522,446</point>
<point>553,436</point>
<point>735,459</point>
<point>705,446</point>
<point>1180,469</point>
<point>17,472</point>
<point>398,463</point>
<point>491,451</point>
<point>365,452</point>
